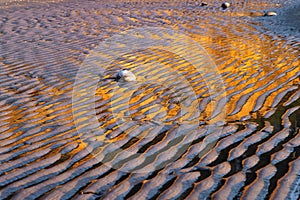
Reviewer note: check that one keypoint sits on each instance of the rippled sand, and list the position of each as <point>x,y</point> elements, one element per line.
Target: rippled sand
<point>220,122</point>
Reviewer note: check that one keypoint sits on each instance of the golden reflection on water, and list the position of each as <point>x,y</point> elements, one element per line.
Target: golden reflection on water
<point>256,65</point>
<point>254,69</point>
<point>250,64</point>
<point>254,60</point>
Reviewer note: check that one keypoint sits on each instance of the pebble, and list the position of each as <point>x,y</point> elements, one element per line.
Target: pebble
<point>225,5</point>
<point>270,13</point>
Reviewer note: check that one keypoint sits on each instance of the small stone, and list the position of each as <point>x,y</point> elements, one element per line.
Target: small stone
<point>270,13</point>
<point>204,4</point>
<point>225,5</point>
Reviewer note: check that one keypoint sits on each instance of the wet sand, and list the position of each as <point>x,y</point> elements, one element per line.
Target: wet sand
<point>286,23</point>
<point>245,144</point>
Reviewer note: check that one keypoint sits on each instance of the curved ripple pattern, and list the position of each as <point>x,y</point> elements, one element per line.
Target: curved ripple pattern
<point>243,141</point>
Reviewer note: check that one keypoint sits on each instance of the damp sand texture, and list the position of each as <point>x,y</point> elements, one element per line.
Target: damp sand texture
<point>47,148</point>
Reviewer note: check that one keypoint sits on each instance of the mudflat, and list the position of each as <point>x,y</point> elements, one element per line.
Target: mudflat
<point>214,112</point>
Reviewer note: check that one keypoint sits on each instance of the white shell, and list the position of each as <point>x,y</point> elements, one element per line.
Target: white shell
<point>126,76</point>
<point>270,13</point>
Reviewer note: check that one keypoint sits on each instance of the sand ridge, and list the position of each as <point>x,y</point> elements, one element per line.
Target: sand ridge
<point>253,154</point>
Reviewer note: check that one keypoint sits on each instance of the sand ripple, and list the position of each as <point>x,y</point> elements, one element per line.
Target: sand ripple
<point>246,141</point>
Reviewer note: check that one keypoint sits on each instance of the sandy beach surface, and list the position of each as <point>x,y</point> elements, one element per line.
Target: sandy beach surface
<point>214,113</point>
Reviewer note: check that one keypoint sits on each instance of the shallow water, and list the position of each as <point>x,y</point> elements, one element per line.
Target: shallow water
<point>220,120</point>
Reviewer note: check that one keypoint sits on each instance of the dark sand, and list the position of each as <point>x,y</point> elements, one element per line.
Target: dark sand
<point>287,22</point>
